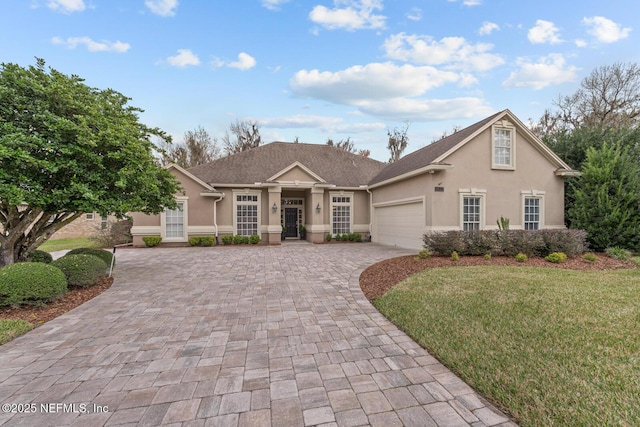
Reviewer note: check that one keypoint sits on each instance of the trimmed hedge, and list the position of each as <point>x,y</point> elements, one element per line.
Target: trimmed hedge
<point>202,240</point>
<point>507,242</point>
<point>106,256</point>
<point>32,283</point>
<point>81,269</point>
<point>39,256</point>
<point>151,241</point>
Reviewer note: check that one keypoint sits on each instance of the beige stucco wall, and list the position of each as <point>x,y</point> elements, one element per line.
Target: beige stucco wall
<point>472,170</point>
<point>296,174</point>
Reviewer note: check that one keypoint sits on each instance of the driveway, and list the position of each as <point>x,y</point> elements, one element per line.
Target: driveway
<point>226,336</point>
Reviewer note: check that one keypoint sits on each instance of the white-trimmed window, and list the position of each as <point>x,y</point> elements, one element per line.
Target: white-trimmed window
<point>89,216</point>
<point>503,147</point>
<point>173,222</point>
<point>341,213</point>
<point>246,221</point>
<point>472,209</point>
<point>532,210</point>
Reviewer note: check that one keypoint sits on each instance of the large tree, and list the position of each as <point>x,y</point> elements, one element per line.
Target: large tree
<point>244,136</point>
<point>197,147</point>
<point>67,149</point>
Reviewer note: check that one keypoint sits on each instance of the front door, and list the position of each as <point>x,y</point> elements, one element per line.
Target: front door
<point>291,222</point>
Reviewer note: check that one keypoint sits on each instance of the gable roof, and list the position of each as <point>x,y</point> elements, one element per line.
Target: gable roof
<point>435,154</point>
<point>268,161</point>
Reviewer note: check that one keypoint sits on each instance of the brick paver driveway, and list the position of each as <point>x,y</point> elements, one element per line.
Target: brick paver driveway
<point>249,336</point>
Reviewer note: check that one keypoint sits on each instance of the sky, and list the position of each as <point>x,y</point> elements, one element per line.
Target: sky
<point>320,69</point>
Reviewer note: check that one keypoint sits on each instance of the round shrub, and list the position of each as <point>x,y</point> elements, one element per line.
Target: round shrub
<point>424,254</point>
<point>81,269</point>
<point>32,283</point>
<point>151,241</point>
<point>40,256</point>
<point>455,256</point>
<point>254,239</point>
<point>556,257</point>
<point>227,240</point>
<point>521,257</point>
<point>106,256</point>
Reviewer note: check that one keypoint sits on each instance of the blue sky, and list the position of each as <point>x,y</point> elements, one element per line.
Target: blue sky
<point>323,69</point>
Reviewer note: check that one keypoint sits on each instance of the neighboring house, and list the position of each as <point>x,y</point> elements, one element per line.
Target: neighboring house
<point>465,181</point>
<point>87,225</point>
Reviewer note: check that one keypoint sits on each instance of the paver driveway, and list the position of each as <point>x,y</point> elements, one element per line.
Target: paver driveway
<point>249,336</point>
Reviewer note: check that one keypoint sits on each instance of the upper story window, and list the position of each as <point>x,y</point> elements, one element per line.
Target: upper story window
<point>503,147</point>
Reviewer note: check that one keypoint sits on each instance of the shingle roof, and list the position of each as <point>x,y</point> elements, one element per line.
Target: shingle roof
<point>335,166</point>
<point>426,155</point>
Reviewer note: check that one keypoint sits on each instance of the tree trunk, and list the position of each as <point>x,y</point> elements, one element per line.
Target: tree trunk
<point>7,255</point>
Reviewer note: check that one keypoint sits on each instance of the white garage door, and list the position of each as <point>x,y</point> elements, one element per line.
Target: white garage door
<point>399,225</point>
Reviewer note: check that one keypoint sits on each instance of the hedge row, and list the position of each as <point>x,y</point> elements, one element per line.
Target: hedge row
<point>39,282</point>
<point>507,242</point>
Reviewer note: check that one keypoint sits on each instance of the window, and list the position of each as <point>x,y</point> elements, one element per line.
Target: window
<point>174,222</point>
<point>503,145</point>
<point>341,214</point>
<point>247,214</point>
<point>471,213</point>
<point>90,216</point>
<point>531,213</point>
<point>103,223</point>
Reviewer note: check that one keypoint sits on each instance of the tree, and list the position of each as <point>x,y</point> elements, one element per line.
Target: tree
<point>67,149</point>
<point>607,198</point>
<point>197,148</point>
<point>398,141</point>
<point>244,136</point>
<point>348,146</point>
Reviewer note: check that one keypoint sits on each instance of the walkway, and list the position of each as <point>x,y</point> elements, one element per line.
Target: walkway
<point>226,336</point>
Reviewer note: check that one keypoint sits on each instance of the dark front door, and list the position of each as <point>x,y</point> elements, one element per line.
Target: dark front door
<point>291,222</point>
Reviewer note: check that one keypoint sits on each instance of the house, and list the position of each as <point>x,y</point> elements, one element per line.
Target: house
<point>466,181</point>
<point>90,224</point>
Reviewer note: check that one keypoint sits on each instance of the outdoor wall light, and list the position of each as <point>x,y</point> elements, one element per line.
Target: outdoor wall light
<point>274,208</point>
<point>318,208</point>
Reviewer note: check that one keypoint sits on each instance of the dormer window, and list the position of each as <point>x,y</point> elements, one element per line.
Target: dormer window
<point>503,145</point>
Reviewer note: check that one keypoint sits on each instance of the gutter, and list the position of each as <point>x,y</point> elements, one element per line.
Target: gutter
<point>215,214</point>
<point>370,212</point>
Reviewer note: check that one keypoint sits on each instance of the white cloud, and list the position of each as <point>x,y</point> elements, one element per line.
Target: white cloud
<point>605,30</point>
<point>184,58</point>
<point>91,45</point>
<point>162,7</point>
<point>355,15</point>
<point>488,28</point>
<point>549,70</point>
<point>455,52</point>
<point>273,4</point>
<point>580,43</point>
<point>544,32</point>
<point>244,62</point>
<point>468,2</point>
<point>66,6</point>
<point>417,110</point>
<point>415,14</point>
<point>323,123</point>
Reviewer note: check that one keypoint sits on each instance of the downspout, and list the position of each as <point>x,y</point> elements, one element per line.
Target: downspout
<point>215,215</point>
<point>370,213</point>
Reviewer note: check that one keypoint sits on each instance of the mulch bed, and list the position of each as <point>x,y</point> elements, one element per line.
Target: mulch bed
<point>376,280</point>
<point>72,299</point>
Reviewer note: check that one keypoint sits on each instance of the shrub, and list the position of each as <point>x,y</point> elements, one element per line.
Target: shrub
<point>31,283</point>
<point>254,239</point>
<point>556,257</point>
<point>479,242</point>
<point>81,269</point>
<point>357,237</point>
<point>202,240</point>
<point>487,256</point>
<point>571,242</point>
<point>513,242</point>
<point>40,256</point>
<point>338,237</point>
<point>443,243</point>
<point>328,237</point>
<point>151,241</point>
<point>227,240</point>
<point>590,256</point>
<point>521,257</point>
<point>105,256</point>
<point>455,256</point>
<point>618,253</point>
<point>240,240</point>
<point>424,254</point>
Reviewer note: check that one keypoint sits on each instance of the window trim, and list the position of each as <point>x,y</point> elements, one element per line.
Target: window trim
<point>532,194</point>
<point>258,203</point>
<point>90,216</point>
<point>185,222</point>
<point>504,125</point>
<point>473,192</point>
<point>333,194</point>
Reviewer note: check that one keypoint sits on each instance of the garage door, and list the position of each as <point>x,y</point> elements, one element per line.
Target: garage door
<point>399,225</point>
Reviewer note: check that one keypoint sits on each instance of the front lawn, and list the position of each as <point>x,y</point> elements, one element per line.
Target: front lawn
<point>72,243</point>
<point>9,329</point>
<point>549,346</point>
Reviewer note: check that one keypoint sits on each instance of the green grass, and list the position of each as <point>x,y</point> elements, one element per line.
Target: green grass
<point>9,329</point>
<point>63,244</point>
<point>549,346</point>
